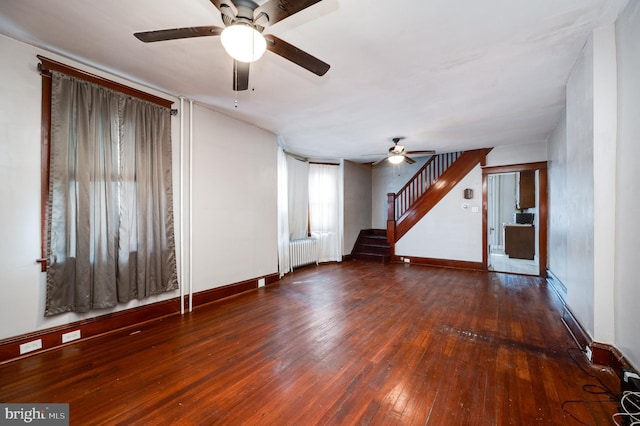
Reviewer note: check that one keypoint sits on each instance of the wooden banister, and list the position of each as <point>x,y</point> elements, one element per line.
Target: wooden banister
<point>427,187</point>
<point>411,192</point>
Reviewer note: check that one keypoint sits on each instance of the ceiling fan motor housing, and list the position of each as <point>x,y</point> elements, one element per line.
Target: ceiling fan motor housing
<point>244,14</point>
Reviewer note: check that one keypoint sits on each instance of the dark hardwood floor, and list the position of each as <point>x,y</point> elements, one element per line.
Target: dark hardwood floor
<point>350,343</point>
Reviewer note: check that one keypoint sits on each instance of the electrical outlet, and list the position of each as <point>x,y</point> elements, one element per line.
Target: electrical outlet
<point>261,282</point>
<point>588,353</point>
<point>406,260</point>
<point>70,336</point>
<point>34,345</point>
<point>630,380</point>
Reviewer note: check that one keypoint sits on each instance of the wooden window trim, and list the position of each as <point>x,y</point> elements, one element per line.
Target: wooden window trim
<point>45,67</point>
<point>45,152</point>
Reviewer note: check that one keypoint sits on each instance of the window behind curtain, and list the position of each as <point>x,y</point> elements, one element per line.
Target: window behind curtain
<point>110,198</point>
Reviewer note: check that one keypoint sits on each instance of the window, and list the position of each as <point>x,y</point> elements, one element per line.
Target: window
<point>324,209</point>
<point>107,210</point>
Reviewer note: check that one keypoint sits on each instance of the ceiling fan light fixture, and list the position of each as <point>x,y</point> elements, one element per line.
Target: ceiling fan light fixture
<point>396,159</point>
<point>243,42</point>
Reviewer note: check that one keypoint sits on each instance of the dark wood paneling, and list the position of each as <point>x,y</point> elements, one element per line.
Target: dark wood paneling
<point>350,343</point>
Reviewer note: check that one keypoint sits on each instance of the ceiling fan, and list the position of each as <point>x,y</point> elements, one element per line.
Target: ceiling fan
<point>397,153</point>
<point>244,22</point>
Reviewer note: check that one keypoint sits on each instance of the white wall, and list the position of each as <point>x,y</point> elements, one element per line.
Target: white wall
<point>387,178</point>
<point>586,255</point>
<point>594,232</point>
<point>605,117</point>
<point>234,201</point>
<point>627,233</point>
<point>579,282</point>
<point>517,154</point>
<point>357,202</point>
<point>21,284</point>
<point>558,202</point>
<point>254,248</point>
<point>452,230</point>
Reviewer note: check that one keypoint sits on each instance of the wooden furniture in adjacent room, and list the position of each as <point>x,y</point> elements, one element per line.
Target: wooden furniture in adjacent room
<point>526,190</point>
<point>520,241</point>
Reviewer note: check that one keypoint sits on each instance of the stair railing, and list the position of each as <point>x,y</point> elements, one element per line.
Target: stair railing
<point>421,181</point>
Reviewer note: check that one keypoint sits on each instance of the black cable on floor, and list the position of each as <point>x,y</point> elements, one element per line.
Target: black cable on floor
<point>599,389</point>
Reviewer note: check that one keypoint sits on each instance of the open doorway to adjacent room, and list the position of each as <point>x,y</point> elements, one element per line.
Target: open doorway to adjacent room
<point>515,219</point>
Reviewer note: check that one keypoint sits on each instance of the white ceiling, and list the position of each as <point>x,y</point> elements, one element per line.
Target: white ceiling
<point>448,75</point>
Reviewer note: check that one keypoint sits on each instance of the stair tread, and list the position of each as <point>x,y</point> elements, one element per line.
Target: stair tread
<point>376,244</point>
<point>373,257</point>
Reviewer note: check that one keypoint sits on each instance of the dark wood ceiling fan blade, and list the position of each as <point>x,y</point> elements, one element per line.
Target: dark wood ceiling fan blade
<point>409,160</point>
<point>295,55</point>
<point>240,75</point>
<point>427,152</point>
<point>277,10</point>
<point>177,33</point>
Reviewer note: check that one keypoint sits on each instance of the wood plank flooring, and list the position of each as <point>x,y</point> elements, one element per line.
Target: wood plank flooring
<point>350,343</point>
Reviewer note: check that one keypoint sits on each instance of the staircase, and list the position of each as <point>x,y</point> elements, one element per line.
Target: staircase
<point>426,188</point>
<point>372,246</point>
<point>439,175</point>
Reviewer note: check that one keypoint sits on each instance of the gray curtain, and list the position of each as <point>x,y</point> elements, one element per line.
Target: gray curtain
<point>111,220</point>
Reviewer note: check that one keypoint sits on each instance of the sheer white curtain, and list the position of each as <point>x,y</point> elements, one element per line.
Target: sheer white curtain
<point>325,210</point>
<point>298,189</point>
<point>284,264</point>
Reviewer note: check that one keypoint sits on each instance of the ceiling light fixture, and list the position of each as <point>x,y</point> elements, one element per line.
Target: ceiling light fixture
<point>396,159</point>
<point>243,43</point>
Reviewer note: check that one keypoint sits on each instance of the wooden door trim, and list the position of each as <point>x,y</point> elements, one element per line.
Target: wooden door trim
<point>543,209</point>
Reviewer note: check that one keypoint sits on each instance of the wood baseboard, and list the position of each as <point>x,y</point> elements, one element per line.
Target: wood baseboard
<point>442,263</point>
<point>51,338</point>
<point>601,353</point>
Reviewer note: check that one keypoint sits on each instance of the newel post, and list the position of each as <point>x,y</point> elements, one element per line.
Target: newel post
<point>391,221</point>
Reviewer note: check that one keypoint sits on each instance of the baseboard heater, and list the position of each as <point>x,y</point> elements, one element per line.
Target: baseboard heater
<point>303,251</point>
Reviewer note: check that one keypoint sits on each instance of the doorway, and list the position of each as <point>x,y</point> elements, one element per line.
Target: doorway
<point>515,218</point>
<point>502,211</point>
